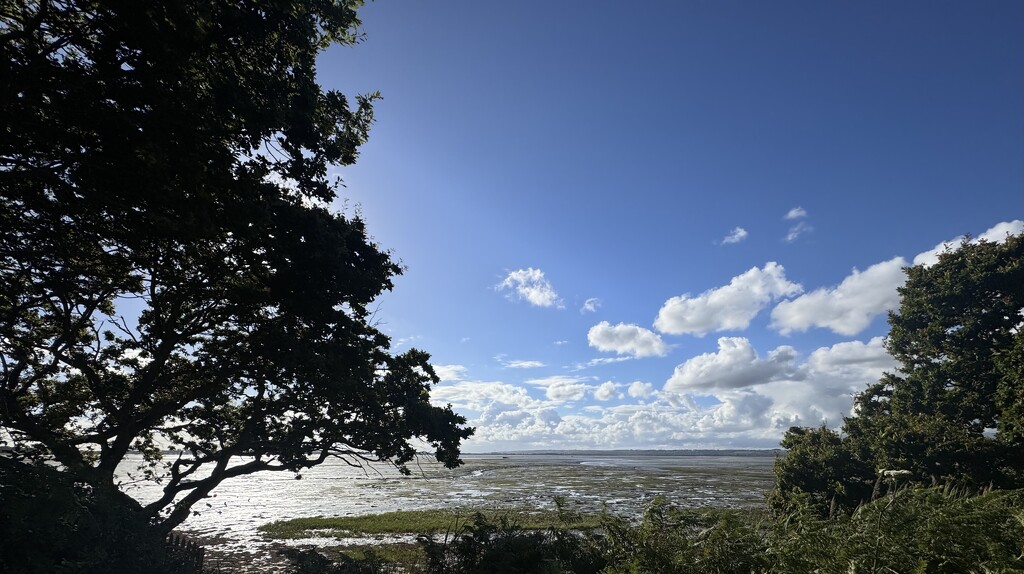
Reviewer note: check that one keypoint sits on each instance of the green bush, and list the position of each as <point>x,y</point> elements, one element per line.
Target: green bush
<point>924,531</point>
<point>312,562</point>
<point>683,541</point>
<point>484,545</point>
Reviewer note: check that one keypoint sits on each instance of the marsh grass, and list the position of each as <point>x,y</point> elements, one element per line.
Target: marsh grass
<point>414,522</point>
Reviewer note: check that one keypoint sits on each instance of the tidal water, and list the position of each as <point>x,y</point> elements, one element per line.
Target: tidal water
<point>624,483</point>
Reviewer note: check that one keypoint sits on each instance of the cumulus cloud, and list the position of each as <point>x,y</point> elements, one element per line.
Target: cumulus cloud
<point>997,233</point>
<point>606,391</point>
<point>531,285</point>
<point>590,305</point>
<point>566,391</point>
<point>795,213</point>
<point>679,399</point>
<point>732,306</point>
<point>562,388</point>
<point>739,411</point>
<point>848,308</point>
<point>477,396</point>
<point>796,231</point>
<point>640,390</point>
<point>735,236</point>
<point>734,365</point>
<point>626,339</point>
<point>782,393</point>
<point>853,358</point>
<point>502,413</point>
<point>831,377</point>
<point>450,372</point>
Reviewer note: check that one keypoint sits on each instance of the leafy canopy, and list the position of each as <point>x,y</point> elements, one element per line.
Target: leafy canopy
<point>170,271</point>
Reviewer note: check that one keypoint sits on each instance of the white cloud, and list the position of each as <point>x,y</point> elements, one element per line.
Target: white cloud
<point>566,391</point>
<point>518,364</point>
<point>590,305</point>
<point>997,233</point>
<point>853,357</point>
<point>562,388</point>
<point>504,414</point>
<point>600,361</point>
<point>477,396</point>
<point>556,380</point>
<point>403,341</point>
<point>531,285</point>
<point>626,339</point>
<point>549,416</point>
<point>796,231</point>
<point>741,410</point>
<point>735,365</point>
<point>732,306</point>
<point>848,308</point>
<point>781,393</point>
<point>450,372</point>
<point>524,364</point>
<point>735,236</point>
<point>831,378</point>
<point>606,391</point>
<point>679,399</point>
<point>796,213</point>
<point>640,389</point>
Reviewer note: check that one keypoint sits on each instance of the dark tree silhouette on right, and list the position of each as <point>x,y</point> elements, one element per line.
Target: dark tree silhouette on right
<point>953,413</point>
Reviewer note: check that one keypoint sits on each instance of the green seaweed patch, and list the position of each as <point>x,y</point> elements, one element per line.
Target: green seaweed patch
<point>418,522</point>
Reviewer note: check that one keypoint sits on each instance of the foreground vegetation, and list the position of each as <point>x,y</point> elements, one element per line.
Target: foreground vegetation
<point>926,531</point>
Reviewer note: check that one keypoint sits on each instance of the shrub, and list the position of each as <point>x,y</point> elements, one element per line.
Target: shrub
<point>681,541</point>
<point>488,546</point>
<point>925,531</point>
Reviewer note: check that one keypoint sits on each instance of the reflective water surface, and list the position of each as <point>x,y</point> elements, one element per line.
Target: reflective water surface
<point>623,482</point>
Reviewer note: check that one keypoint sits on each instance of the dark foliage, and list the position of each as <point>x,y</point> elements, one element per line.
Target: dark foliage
<point>483,546</point>
<point>312,562</point>
<point>171,274</point>
<point>823,469</point>
<point>55,523</point>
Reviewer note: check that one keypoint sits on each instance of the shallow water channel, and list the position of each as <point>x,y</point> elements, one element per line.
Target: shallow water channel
<point>625,483</point>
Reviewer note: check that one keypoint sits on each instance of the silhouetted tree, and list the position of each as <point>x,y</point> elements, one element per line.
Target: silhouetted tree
<point>171,274</point>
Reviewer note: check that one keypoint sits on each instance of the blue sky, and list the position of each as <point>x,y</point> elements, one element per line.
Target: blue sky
<point>731,185</point>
